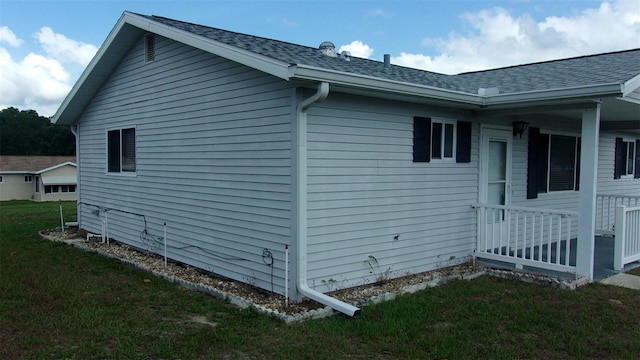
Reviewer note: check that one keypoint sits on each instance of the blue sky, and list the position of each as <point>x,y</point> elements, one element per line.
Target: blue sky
<point>45,45</point>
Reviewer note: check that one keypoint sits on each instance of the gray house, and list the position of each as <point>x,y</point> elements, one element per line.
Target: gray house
<point>301,170</point>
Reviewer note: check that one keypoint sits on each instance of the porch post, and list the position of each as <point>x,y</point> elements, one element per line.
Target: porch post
<point>588,183</point>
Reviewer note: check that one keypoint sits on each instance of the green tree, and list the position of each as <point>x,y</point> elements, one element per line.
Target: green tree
<point>27,133</point>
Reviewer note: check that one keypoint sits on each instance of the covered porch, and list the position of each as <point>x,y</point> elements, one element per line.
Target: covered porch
<point>587,234</point>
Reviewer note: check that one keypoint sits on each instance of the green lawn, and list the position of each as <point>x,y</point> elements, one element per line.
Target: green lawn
<point>59,302</point>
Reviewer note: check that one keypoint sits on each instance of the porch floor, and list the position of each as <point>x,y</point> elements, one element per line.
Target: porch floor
<point>602,263</point>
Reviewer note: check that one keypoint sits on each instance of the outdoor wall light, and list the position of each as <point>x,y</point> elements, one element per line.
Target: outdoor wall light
<point>519,127</point>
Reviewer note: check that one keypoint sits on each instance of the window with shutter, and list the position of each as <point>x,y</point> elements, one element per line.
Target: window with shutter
<point>441,140</point>
<point>553,163</point>
<point>627,159</point>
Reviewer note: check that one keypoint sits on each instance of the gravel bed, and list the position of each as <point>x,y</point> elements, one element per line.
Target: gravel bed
<point>245,295</point>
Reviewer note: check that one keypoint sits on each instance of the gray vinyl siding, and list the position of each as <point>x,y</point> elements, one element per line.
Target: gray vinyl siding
<point>364,189</point>
<point>213,154</point>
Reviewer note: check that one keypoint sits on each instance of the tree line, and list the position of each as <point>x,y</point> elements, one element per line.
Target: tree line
<point>24,132</point>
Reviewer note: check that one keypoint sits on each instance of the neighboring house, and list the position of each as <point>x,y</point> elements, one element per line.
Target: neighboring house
<point>38,178</point>
<point>252,151</point>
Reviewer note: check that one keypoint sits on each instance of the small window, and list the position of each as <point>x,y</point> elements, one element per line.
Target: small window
<point>72,188</point>
<point>28,178</point>
<point>37,184</point>
<point>51,189</point>
<point>121,151</point>
<point>149,47</point>
<point>448,140</point>
<point>627,158</point>
<point>1,179</point>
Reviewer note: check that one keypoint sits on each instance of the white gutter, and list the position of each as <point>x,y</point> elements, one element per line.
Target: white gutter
<point>555,95</point>
<point>301,199</point>
<point>304,72</point>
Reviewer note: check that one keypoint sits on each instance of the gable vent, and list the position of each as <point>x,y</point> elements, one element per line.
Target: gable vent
<point>149,47</point>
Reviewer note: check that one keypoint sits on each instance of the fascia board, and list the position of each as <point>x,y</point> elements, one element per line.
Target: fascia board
<point>265,64</point>
<point>56,167</point>
<point>17,172</point>
<point>85,86</point>
<point>631,85</point>
<point>553,95</point>
<point>301,72</point>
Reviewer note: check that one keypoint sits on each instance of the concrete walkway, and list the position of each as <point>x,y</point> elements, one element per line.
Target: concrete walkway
<point>624,280</point>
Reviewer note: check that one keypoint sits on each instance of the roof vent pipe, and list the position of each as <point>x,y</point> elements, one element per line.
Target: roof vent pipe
<point>327,48</point>
<point>387,60</point>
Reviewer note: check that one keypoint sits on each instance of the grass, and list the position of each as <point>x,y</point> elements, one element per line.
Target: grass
<point>57,301</point>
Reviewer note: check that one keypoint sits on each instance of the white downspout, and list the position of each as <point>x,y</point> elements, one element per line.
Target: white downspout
<point>75,132</point>
<point>301,198</point>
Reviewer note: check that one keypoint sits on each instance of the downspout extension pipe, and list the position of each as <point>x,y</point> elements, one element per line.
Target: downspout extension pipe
<point>301,231</point>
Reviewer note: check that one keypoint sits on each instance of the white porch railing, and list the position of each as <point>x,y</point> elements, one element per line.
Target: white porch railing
<point>627,236</point>
<point>606,211</point>
<point>525,236</point>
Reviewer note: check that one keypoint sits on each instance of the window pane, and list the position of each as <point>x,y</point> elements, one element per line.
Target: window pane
<point>448,140</point>
<point>497,161</point>
<point>114,151</point>
<point>72,188</point>
<point>436,141</point>
<point>496,194</point>
<point>562,163</point>
<point>47,189</point>
<point>129,150</point>
<point>631,157</point>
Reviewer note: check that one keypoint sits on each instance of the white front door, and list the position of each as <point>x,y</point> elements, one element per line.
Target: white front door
<point>495,175</point>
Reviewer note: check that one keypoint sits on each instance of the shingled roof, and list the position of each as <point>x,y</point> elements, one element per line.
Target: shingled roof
<point>612,75</point>
<point>31,164</point>
<point>310,56</point>
<point>615,67</point>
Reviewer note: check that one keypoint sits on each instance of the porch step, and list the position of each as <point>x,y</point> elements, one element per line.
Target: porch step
<point>624,280</point>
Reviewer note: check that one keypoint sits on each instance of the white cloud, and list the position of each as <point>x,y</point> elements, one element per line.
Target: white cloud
<point>35,82</point>
<point>40,81</point>
<point>6,35</point>
<point>500,39</point>
<point>358,49</point>
<point>64,49</point>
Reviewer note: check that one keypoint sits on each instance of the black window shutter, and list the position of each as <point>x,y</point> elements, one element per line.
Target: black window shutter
<point>620,158</point>
<point>636,172</point>
<point>532,164</point>
<point>421,139</point>
<point>463,142</point>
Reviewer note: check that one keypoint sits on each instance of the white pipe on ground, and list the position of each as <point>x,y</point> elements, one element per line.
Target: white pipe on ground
<point>286,275</point>
<point>106,226</point>
<point>61,217</point>
<point>301,203</point>
<point>165,244</point>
